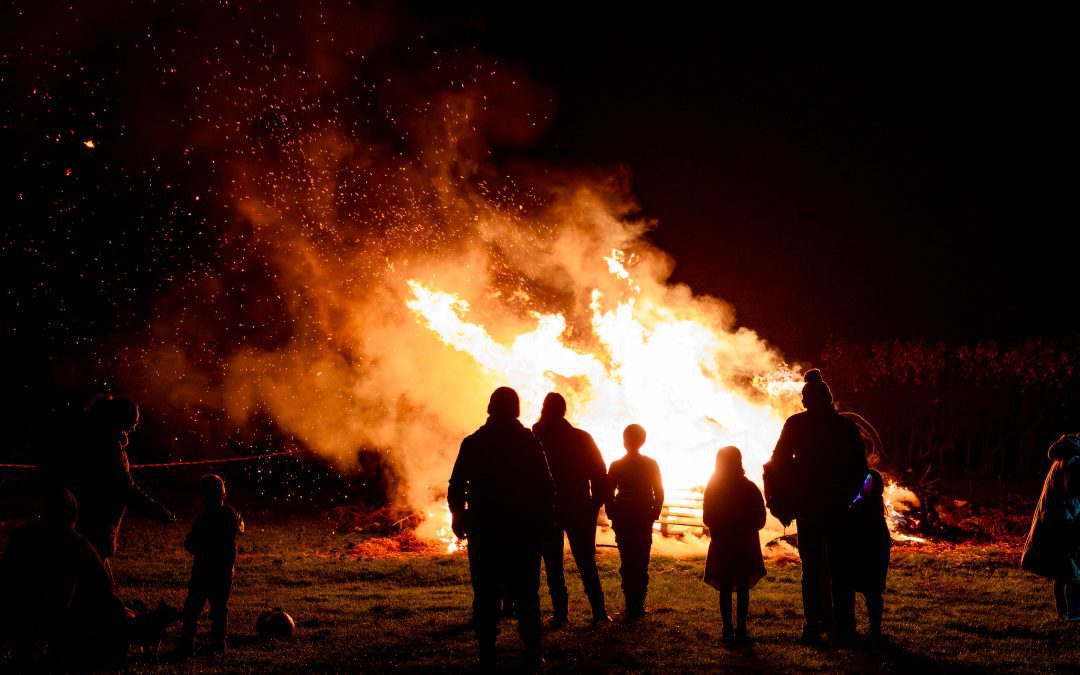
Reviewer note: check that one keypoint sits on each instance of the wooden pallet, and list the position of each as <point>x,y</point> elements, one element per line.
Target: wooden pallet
<point>682,513</point>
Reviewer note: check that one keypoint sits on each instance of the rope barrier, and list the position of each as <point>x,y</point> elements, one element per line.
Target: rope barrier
<point>193,462</point>
<point>161,465</point>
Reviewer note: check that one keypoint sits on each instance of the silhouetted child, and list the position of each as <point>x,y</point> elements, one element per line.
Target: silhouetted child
<point>734,512</point>
<point>637,498</point>
<point>870,547</point>
<point>212,541</point>
<point>1052,549</point>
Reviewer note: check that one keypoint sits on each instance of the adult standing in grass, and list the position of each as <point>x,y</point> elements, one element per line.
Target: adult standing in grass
<point>1052,549</point>
<point>816,471</point>
<point>501,499</point>
<point>95,469</point>
<point>580,477</point>
<point>637,498</point>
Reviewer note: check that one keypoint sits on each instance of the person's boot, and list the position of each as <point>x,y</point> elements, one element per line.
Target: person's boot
<point>811,637</point>
<point>217,637</point>
<point>487,660</point>
<point>741,638</point>
<point>533,660</point>
<point>185,648</point>
<point>599,609</point>
<point>728,635</point>
<point>635,607</point>
<point>561,607</point>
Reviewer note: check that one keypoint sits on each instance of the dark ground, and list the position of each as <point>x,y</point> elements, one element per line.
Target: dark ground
<point>363,605</point>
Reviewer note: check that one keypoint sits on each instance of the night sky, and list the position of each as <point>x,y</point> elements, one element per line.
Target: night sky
<point>904,172</point>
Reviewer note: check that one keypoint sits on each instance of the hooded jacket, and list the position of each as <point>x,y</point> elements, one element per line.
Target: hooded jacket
<point>1052,549</point>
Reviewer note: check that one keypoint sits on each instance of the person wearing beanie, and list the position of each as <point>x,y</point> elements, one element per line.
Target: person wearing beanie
<point>501,500</point>
<point>817,469</point>
<point>97,473</point>
<point>580,476</point>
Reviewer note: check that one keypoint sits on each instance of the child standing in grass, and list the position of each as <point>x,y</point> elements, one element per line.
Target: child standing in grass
<point>1052,549</point>
<point>871,545</point>
<point>637,497</point>
<point>734,512</point>
<point>212,541</point>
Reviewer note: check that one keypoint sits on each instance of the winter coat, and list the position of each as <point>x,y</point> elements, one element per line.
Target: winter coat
<point>869,541</point>
<point>817,467</point>
<point>212,541</point>
<point>577,468</point>
<point>501,484</point>
<point>52,580</point>
<point>1052,549</point>
<point>637,489</point>
<point>734,512</point>
<point>99,475</point>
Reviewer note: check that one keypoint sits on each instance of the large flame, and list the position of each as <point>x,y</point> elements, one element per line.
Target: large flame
<point>390,253</point>
<point>650,366</point>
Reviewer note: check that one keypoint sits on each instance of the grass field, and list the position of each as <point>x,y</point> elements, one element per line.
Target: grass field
<point>946,609</point>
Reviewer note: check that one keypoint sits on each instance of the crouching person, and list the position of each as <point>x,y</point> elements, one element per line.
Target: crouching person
<point>1052,549</point>
<point>212,541</point>
<point>55,589</point>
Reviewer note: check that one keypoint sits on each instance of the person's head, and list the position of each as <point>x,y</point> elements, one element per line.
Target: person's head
<point>1065,447</point>
<point>61,509</point>
<point>633,437</point>
<point>877,483</point>
<point>504,404</point>
<point>816,395</point>
<point>211,490</point>
<point>729,462</point>
<point>554,407</point>
<point>113,414</point>
<point>873,487</point>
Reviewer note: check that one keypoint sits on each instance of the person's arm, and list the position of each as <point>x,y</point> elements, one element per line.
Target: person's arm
<point>858,466</point>
<point>457,493</point>
<point>545,483</point>
<point>757,506</point>
<point>708,507</point>
<point>785,447</point>
<point>597,471</point>
<point>193,540</point>
<point>140,502</point>
<point>658,491</point>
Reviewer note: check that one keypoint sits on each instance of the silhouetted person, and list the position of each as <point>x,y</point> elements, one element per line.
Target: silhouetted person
<point>1052,549</point>
<point>212,541</point>
<point>870,546</point>
<point>55,589</point>
<point>734,512</point>
<point>501,499</point>
<point>98,474</point>
<point>638,496</point>
<point>816,471</point>
<point>580,477</point>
